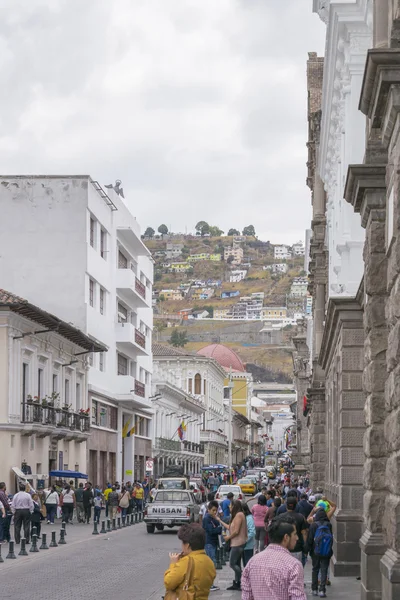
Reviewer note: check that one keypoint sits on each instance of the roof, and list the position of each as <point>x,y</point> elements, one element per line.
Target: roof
<point>226,357</point>
<point>161,350</point>
<point>49,321</point>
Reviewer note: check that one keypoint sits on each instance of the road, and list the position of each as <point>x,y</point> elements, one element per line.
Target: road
<point>127,563</point>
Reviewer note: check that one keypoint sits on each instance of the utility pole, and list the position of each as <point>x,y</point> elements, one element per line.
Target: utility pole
<point>230,387</point>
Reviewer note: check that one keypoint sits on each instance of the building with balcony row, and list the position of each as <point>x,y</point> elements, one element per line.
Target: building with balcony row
<point>44,411</point>
<point>76,251</point>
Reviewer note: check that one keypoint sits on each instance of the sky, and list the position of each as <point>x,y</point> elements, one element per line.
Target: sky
<point>198,106</point>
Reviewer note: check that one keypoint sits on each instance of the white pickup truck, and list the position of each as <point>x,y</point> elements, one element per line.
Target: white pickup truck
<point>171,508</point>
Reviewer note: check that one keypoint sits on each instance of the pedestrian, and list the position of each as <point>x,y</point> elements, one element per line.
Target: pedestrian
<point>139,496</point>
<point>51,502</point>
<point>88,502</point>
<point>212,525</point>
<point>275,573</point>
<point>22,508</point>
<point>320,542</point>
<point>36,515</point>
<point>80,511</point>
<point>113,501</point>
<point>191,565</point>
<point>5,519</point>
<point>106,492</point>
<point>251,534</point>
<point>259,511</point>
<point>98,505</point>
<point>304,507</point>
<point>301,527</point>
<point>124,498</point>
<point>67,501</point>
<point>237,537</point>
<point>226,506</point>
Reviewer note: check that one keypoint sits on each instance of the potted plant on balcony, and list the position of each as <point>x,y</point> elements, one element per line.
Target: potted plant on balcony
<point>36,400</point>
<point>84,412</point>
<point>66,407</point>
<point>29,399</point>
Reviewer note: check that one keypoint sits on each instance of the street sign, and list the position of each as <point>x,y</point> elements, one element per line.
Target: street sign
<point>149,465</point>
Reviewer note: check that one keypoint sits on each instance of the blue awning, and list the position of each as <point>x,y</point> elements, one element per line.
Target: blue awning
<point>68,474</point>
<point>214,467</point>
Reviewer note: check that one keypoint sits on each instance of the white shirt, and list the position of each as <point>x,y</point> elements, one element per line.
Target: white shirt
<point>21,501</point>
<point>51,498</point>
<point>68,497</point>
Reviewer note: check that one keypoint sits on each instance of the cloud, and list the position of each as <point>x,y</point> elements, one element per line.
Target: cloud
<point>199,106</point>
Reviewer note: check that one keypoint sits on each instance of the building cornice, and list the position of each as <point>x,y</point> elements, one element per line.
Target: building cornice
<point>340,310</point>
<point>191,359</point>
<point>360,180</point>
<point>180,395</point>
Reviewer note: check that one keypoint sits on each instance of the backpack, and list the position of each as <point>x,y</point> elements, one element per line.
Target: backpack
<point>323,541</point>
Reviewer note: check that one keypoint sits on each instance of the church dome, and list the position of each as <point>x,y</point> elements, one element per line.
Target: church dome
<point>226,357</point>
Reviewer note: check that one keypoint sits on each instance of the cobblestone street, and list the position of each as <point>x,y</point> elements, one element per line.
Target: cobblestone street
<point>128,562</point>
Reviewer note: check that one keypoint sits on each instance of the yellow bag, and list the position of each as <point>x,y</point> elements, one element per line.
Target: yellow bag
<point>43,511</point>
<point>184,593</point>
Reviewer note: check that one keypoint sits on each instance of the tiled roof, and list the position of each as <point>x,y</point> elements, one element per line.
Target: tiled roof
<point>22,307</point>
<point>161,350</point>
<point>226,357</point>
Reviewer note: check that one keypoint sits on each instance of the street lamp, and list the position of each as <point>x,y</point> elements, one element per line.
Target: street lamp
<point>229,387</point>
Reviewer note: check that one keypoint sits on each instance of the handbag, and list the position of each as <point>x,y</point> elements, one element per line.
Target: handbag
<point>183,594</point>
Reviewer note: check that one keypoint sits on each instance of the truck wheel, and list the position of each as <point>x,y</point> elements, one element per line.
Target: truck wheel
<point>150,528</point>
<point>160,527</point>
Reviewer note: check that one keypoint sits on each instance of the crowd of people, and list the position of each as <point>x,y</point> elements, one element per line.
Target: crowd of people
<point>269,543</point>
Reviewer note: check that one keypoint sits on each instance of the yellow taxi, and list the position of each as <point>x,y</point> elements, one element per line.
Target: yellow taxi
<point>247,486</point>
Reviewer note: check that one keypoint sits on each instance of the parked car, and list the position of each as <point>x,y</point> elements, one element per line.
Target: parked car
<point>200,485</point>
<point>194,487</point>
<point>247,486</point>
<point>171,508</point>
<point>224,490</point>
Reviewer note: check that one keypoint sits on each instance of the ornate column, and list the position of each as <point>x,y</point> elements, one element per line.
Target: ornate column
<point>381,23</point>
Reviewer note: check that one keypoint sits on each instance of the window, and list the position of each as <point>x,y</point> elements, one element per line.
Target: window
<point>101,361</point>
<point>55,382</point>
<point>66,391</point>
<point>122,261</point>
<point>122,365</point>
<point>12,440</point>
<point>102,301</point>
<point>204,386</point>
<point>25,371</point>
<point>197,384</point>
<point>103,415</point>
<point>90,359</point>
<point>190,386</point>
<point>91,292</point>
<point>92,232</point>
<point>78,396</point>
<point>103,244</point>
<point>122,314</point>
<point>40,383</point>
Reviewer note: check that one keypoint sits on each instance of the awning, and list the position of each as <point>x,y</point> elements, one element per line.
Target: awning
<point>213,467</point>
<point>68,474</point>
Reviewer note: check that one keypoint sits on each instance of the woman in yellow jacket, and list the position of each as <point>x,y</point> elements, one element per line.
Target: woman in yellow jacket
<point>193,540</point>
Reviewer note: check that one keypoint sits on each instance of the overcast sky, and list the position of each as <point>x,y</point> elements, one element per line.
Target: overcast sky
<point>199,106</point>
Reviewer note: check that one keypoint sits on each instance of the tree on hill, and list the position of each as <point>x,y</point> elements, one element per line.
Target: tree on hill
<point>149,232</point>
<point>178,339</point>
<point>215,231</point>
<point>202,228</point>
<point>249,230</point>
<point>233,232</point>
<point>163,229</point>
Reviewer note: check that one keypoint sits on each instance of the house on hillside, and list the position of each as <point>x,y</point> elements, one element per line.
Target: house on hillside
<point>273,312</point>
<point>276,268</point>
<point>180,267</point>
<point>202,293</point>
<point>173,250</point>
<point>199,256</point>
<point>236,252</point>
<point>200,314</point>
<point>282,252</point>
<point>230,294</point>
<point>298,249</point>
<point>171,294</point>
<point>299,286</point>
<point>237,275</point>
<point>222,313</point>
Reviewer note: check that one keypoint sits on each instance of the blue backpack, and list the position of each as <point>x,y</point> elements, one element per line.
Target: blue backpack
<point>323,541</point>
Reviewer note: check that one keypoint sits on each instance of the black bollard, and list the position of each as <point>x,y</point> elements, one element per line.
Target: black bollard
<point>64,526</point>
<point>109,526</point>
<point>62,539</point>
<point>34,547</point>
<point>1,558</point>
<point>95,530</point>
<point>114,526</point>
<point>23,551</point>
<point>44,545</point>
<point>119,522</point>
<point>53,543</point>
<point>34,531</point>
<point>11,553</point>
<point>103,527</point>
<point>218,558</point>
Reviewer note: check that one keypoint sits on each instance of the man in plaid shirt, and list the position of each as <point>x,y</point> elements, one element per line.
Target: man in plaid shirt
<point>275,574</point>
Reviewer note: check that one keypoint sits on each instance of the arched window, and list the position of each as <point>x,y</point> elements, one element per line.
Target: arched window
<point>197,384</point>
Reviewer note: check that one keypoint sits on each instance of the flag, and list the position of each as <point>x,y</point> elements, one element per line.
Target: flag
<point>182,430</point>
<point>125,429</point>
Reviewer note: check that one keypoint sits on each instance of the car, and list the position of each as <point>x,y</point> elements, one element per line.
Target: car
<point>224,490</point>
<point>195,488</point>
<point>254,479</point>
<point>247,486</point>
<point>200,485</point>
<point>271,471</point>
<point>171,508</point>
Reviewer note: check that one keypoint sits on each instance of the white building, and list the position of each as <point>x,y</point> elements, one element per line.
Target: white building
<point>237,275</point>
<point>201,384</point>
<point>173,250</point>
<point>299,287</point>
<point>282,252</point>
<point>236,252</point>
<point>76,251</point>
<point>276,268</point>
<point>298,249</point>
<point>44,411</point>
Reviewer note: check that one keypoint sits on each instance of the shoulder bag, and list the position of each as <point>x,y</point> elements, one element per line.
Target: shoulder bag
<point>184,593</point>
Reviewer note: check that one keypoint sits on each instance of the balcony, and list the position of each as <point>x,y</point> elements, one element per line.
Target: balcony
<point>212,436</point>
<point>43,420</point>
<point>192,447</point>
<point>131,392</point>
<point>140,389</point>
<point>130,287</point>
<point>167,444</point>
<point>130,339</point>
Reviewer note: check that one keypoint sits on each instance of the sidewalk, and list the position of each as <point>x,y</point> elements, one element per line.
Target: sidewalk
<point>342,588</point>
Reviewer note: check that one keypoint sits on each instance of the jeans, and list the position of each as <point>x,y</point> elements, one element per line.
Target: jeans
<point>67,511</point>
<point>22,517</point>
<point>260,538</point>
<point>124,511</point>
<point>235,559</point>
<point>51,511</point>
<point>97,514</point>
<point>319,564</point>
<point>247,555</point>
<point>139,505</point>
<point>211,552</point>
<point>88,512</point>
<point>5,527</point>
